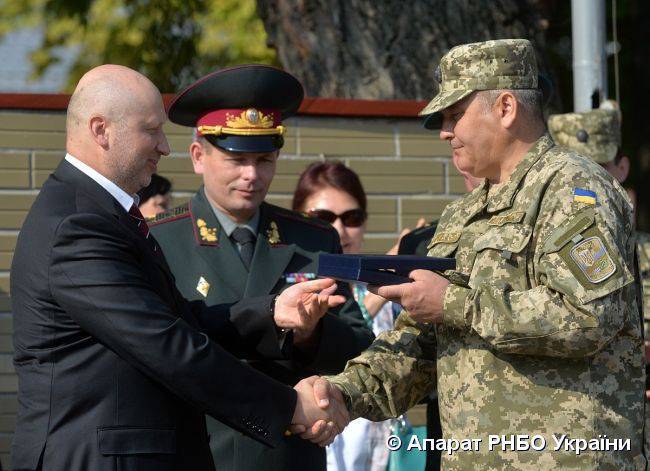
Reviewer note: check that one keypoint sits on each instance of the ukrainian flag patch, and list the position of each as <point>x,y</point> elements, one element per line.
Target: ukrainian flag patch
<point>584,196</point>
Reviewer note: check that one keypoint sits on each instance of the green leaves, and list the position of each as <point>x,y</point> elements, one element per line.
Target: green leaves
<point>173,42</point>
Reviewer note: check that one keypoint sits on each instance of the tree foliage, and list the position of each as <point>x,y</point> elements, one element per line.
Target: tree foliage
<point>172,42</point>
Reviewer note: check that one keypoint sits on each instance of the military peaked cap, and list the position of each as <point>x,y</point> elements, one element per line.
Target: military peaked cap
<point>240,109</point>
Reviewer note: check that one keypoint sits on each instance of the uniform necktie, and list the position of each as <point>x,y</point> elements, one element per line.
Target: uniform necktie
<point>246,240</point>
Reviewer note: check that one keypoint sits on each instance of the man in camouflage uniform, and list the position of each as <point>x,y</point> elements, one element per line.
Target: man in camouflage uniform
<point>538,330</point>
<point>597,134</point>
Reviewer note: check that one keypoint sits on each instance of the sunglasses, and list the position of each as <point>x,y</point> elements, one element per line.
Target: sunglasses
<point>350,218</point>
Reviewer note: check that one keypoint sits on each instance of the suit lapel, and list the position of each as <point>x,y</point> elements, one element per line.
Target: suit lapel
<point>145,246</point>
<point>220,254</point>
<point>269,259</point>
<point>69,173</point>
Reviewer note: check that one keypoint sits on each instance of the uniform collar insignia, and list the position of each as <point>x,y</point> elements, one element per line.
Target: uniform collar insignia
<point>273,234</point>
<point>207,234</point>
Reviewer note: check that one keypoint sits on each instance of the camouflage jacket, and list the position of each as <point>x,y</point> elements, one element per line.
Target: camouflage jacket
<point>541,331</point>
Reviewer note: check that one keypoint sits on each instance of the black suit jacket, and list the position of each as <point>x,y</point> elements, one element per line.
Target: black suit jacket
<point>113,370</point>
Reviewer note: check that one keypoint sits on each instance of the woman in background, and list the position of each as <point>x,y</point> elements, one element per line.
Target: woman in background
<point>156,197</point>
<point>333,192</point>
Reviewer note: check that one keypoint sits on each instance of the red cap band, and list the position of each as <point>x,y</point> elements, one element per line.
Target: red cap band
<point>241,118</point>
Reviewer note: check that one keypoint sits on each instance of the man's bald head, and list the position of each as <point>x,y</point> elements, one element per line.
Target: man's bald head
<point>111,91</point>
<point>115,125</point>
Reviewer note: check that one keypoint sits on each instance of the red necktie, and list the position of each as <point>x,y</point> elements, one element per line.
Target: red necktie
<point>135,213</point>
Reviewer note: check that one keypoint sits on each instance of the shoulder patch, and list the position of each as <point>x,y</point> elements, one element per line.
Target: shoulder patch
<point>593,260</point>
<point>171,215</point>
<point>581,195</point>
<point>571,227</point>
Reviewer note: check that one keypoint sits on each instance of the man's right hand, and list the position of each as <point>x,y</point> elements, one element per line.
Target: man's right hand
<point>301,306</point>
<point>320,411</point>
<point>325,397</point>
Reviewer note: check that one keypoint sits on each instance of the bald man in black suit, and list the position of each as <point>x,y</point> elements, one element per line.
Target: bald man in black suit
<point>115,371</point>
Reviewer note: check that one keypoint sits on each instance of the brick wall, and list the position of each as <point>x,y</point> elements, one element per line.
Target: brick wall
<point>405,170</point>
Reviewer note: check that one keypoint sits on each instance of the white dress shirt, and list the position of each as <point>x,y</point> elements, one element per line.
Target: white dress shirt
<point>122,197</point>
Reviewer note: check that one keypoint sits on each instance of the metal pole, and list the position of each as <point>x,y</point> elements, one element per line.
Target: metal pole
<point>589,56</point>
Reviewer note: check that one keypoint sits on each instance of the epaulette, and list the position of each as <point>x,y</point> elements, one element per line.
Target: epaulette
<point>178,212</point>
<point>305,219</point>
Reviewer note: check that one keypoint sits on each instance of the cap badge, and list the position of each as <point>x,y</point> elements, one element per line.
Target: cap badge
<point>250,118</point>
<point>252,115</point>
<point>208,234</point>
<point>582,136</point>
<point>273,234</point>
<point>437,75</point>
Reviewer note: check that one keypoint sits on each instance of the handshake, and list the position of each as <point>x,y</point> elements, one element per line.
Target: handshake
<point>320,413</point>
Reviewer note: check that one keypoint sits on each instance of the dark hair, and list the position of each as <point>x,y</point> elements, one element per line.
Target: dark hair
<point>158,186</point>
<point>334,174</point>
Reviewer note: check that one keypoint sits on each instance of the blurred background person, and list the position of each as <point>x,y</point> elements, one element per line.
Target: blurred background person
<point>333,192</point>
<point>156,197</point>
<point>416,242</point>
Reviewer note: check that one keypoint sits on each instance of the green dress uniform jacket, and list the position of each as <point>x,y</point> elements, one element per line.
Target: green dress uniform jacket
<point>208,269</point>
<point>541,329</point>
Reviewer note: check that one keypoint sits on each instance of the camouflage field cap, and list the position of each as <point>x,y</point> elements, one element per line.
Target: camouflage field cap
<point>595,134</point>
<point>500,64</point>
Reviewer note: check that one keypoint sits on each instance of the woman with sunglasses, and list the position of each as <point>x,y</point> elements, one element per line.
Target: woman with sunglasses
<point>333,192</point>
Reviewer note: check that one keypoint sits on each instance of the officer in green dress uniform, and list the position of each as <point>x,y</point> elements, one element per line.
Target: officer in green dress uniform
<point>227,243</point>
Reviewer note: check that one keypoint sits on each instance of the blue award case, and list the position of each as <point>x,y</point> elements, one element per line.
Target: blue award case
<point>378,269</point>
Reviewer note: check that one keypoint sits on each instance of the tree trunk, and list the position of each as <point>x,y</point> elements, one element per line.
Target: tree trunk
<point>387,49</point>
